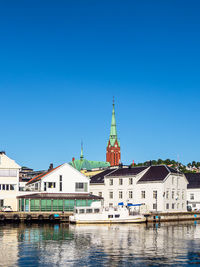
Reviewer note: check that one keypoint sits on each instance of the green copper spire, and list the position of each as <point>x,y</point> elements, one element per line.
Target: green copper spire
<point>113,130</point>
<point>81,157</point>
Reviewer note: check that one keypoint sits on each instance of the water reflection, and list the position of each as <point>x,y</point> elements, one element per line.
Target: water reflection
<point>103,245</point>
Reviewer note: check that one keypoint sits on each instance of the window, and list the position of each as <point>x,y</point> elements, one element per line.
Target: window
<point>110,204</point>
<point>1,202</point>
<point>82,211</point>
<point>173,206</point>
<point>110,216</point>
<point>178,195</point>
<point>110,194</point>
<point>130,181</point>
<point>155,194</point>
<point>154,206</point>
<point>167,194</point>
<point>120,181</point>
<point>36,186</point>
<point>45,186</point>
<point>130,194</point>
<point>177,206</point>
<point>192,196</point>
<point>3,187</point>
<point>60,178</point>
<point>167,206</point>
<point>111,182</point>
<point>172,194</point>
<point>51,185</point>
<point>183,205</point>
<point>100,194</point>
<point>117,215</point>
<point>142,194</point>
<point>7,187</point>
<point>81,187</point>
<point>120,194</point>
<point>88,210</point>
<point>194,205</point>
<point>96,210</point>
<point>178,179</point>
<point>183,194</point>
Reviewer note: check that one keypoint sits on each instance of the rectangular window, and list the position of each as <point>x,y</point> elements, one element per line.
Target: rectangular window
<point>1,202</point>
<point>100,194</point>
<point>111,182</point>
<point>130,194</point>
<point>0,186</point>
<point>111,195</point>
<point>183,205</point>
<point>167,206</point>
<point>110,216</point>
<point>142,194</point>
<point>110,204</point>
<point>183,195</point>
<point>51,185</point>
<point>60,178</point>
<point>120,181</point>
<point>7,187</point>
<point>192,196</point>
<point>45,186</point>
<point>167,194</point>
<point>130,181</point>
<point>120,194</point>
<point>178,195</point>
<point>172,194</point>
<point>3,187</point>
<point>88,210</point>
<point>178,179</point>
<point>155,194</point>
<point>36,186</point>
<point>154,206</point>
<point>81,187</point>
<point>173,206</point>
<point>60,186</point>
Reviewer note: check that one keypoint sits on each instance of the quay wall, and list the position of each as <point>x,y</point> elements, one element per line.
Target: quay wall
<point>173,216</point>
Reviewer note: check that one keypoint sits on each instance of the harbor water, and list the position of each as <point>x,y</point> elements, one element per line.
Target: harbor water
<point>166,244</point>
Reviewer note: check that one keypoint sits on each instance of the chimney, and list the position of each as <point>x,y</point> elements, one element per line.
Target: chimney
<point>50,167</point>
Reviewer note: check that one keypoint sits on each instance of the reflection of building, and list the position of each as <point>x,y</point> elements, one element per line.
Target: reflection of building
<point>113,154</point>
<point>9,181</point>
<point>161,188</point>
<point>193,190</point>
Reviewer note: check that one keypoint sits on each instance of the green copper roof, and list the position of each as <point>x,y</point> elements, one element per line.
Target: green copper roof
<point>84,164</point>
<point>113,129</point>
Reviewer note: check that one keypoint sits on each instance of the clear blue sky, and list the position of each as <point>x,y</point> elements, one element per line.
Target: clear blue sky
<point>61,63</point>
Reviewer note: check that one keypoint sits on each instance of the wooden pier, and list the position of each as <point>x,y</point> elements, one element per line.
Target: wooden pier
<point>53,217</point>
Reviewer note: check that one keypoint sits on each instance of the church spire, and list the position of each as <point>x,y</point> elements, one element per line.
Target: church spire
<point>81,157</point>
<point>113,154</point>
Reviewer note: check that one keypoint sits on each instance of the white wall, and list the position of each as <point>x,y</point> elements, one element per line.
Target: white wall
<point>193,203</point>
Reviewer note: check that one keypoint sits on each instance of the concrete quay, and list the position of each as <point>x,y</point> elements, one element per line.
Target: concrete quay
<point>53,217</point>
<point>173,216</point>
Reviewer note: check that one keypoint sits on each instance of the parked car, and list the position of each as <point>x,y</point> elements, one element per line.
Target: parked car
<point>6,208</point>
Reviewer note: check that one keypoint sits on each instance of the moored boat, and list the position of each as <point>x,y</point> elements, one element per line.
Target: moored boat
<point>101,215</point>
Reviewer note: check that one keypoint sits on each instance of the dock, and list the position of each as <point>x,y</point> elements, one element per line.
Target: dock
<point>53,217</point>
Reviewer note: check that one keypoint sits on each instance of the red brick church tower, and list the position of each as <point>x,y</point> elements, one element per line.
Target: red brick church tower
<point>113,154</point>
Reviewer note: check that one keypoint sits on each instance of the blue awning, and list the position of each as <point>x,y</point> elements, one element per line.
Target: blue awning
<point>131,205</point>
<point>121,203</point>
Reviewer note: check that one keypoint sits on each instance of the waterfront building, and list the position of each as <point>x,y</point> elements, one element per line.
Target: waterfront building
<point>193,190</point>
<point>160,188</point>
<point>58,189</point>
<point>113,153</point>
<point>9,181</point>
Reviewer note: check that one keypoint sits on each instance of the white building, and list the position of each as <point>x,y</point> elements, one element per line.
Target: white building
<point>9,181</point>
<point>62,179</point>
<point>160,188</point>
<point>193,190</point>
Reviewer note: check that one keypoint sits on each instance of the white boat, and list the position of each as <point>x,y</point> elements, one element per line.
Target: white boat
<point>94,215</point>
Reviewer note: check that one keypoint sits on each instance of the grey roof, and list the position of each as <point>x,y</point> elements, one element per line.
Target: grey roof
<point>126,171</point>
<point>157,173</point>
<point>99,178</point>
<point>59,196</point>
<point>193,180</point>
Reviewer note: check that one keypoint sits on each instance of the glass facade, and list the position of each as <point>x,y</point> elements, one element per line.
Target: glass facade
<point>53,204</point>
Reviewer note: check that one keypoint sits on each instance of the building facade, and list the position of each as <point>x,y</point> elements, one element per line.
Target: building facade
<point>9,181</point>
<point>113,153</point>
<point>193,190</point>
<point>160,188</point>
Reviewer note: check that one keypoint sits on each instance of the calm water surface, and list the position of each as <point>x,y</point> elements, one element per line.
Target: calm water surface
<point>117,245</point>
